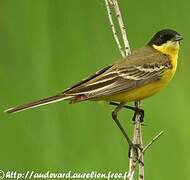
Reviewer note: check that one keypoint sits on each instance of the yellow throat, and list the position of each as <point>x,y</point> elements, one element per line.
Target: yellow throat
<point>171,49</point>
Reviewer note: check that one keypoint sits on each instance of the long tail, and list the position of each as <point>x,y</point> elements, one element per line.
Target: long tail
<point>41,102</point>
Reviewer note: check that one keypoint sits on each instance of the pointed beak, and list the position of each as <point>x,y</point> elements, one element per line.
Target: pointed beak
<point>178,38</point>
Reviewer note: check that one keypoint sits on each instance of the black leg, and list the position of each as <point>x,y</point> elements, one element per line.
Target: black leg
<point>130,143</point>
<point>137,111</point>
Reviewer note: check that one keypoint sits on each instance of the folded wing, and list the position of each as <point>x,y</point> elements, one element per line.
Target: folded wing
<point>121,78</point>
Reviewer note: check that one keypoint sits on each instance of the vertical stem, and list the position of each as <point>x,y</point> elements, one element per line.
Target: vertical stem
<point>122,28</point>
<point>138,140</point>
<point>113,28</point>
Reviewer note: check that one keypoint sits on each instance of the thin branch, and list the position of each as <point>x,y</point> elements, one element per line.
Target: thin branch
<point>122,27</point>
<point>152,141</point>
<point>113,28</point>
<point>110,2</point>
<point>138,140</point>
<point>149,144</point>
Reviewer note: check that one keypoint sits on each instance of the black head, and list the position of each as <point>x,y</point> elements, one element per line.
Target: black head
<point>165,35</point>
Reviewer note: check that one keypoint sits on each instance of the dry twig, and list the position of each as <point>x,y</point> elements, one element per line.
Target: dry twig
<point>138,140</point>
<point>149,144</point>
<point>108,3</point>
<point>122,27</point>
<point>152,141</point>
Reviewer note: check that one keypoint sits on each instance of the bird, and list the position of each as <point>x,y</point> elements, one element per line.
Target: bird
<point>138,76</point>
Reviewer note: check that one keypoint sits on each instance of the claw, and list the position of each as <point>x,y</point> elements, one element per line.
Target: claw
<point>137,111</point>
<point>141,112</point>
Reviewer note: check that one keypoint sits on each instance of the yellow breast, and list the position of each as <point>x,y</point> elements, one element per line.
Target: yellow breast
<point>171,49</point>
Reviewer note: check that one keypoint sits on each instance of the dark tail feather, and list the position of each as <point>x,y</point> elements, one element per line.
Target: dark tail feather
<point>41,102</point>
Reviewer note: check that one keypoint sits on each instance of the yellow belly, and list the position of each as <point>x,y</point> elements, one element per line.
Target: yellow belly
<point>144,91</point>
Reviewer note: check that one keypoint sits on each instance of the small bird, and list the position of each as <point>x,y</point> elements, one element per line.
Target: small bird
<point>140,75</point>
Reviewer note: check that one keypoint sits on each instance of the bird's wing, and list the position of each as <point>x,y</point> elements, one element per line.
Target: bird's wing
<point>98,73</point>
<point>122,77</point>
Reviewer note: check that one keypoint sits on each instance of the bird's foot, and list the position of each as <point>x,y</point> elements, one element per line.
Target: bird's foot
<point>139,112</point>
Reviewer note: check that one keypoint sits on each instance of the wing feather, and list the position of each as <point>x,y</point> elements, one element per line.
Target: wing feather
<point>122,77</point>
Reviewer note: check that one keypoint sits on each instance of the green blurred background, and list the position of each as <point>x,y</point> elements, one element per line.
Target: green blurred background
<point>46,46</point>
